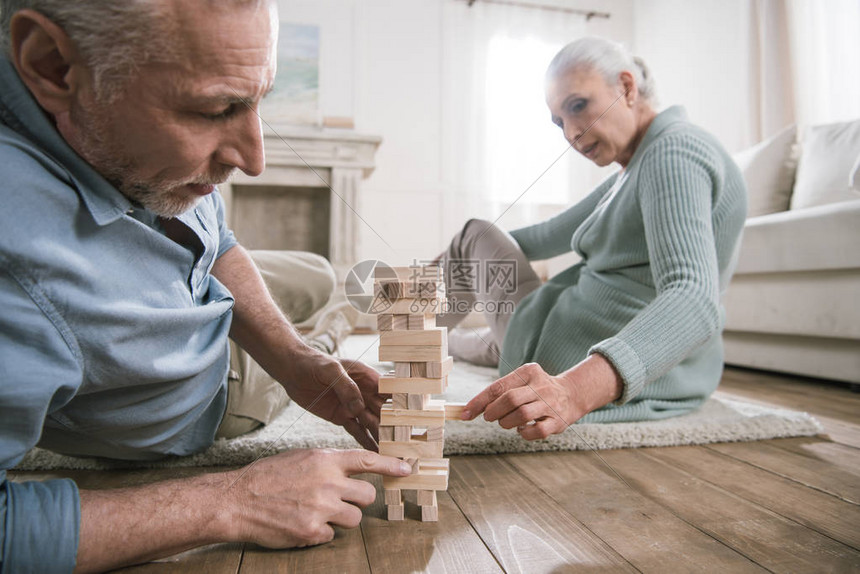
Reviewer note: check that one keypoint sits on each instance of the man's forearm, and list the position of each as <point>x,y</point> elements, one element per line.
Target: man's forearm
<point>259,326</point>
<point>282,501</point>
<point>314,380</point>
<point>132,525</point>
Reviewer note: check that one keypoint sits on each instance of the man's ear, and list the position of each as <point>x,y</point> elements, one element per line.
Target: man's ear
<point>46,61</point>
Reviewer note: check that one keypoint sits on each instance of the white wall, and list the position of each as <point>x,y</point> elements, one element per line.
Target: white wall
<point>698,52</point>
<point>381,63</point>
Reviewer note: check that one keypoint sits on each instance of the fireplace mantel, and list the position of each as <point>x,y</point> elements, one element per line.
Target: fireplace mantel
<point>331,162</point>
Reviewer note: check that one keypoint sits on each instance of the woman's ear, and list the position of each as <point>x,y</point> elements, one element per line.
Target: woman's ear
<point>628,87</point>
<point>46,61</point>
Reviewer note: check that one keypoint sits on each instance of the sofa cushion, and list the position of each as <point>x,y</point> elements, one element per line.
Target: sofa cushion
<point>828,155</point>
<point>768,169</point>
<point>855,175</point>
<point>821,237</point>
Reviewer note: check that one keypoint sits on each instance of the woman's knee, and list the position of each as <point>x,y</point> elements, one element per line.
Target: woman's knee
<point>477,226</point>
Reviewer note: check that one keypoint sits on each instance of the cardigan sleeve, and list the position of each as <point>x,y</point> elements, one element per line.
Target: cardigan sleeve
<point>553,236</point>
<point>675,192</point>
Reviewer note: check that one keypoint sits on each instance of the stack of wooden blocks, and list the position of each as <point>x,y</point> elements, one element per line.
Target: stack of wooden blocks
<point>407,300</point>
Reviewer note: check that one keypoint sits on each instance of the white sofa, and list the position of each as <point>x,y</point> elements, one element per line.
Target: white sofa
<point>794,302</point>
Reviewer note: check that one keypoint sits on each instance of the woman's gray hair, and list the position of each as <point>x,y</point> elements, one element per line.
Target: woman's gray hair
<point>606,57</point>
<point>114,37</point>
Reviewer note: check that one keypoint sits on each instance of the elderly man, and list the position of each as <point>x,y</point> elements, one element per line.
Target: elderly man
<point>119,284</point>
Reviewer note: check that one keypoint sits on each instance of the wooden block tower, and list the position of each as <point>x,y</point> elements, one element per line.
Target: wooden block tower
<point>411,426</point>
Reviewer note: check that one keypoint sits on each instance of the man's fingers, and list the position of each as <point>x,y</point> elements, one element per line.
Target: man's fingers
<point>323,534</point>
<point>359,461</point>
<point>366,376</point>
<point>368,419</point>
<point>477,405</point>
<point>347,515</point>
<point>346,390</point>
<point>359,433</point>
<point>359,492</point>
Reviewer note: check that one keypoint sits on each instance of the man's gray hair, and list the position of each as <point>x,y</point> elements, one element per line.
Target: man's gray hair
<point>606,57</point>
<point>114,37</point>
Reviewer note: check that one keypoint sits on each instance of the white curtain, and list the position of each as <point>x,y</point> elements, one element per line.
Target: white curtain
<point>825,48</point>
<point>497,135</point>
<point>805,63</point>
<point>771,78</point>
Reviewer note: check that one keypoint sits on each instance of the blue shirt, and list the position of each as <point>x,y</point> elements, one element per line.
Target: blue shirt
<point>113,338</point>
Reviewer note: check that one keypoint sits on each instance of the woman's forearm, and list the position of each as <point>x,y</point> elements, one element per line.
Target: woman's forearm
<point>594,382</point>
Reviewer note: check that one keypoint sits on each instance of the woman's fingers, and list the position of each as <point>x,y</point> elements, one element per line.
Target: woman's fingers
<point>525,414</point>
<point>509,402</point>
<point>541,429</point>
<point>512,380</point>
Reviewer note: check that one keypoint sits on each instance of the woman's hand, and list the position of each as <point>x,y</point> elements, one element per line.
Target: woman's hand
<point>538,404</point>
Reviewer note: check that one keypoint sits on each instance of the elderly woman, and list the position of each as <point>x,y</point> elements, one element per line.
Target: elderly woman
<point>633,331</point>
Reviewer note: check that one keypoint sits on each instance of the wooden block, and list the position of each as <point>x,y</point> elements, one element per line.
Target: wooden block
<point>413,353</point>
<point>435,337</point>
<point>396,512</point>
<point>425,497</point>
<point>411,449</point>
<point>431,369</point>
<point>419,402</point>
<point>437,370</point>
<point>383,305</point>
<point>400,401</point>
<point>435,434</point>
<point>386,433</point>
<point>418,322</point>
<point>452,410</point>
<point>411,273</point>
<point>386,322</point>
<point>432,416</point>
<point>421,385</point>
<point>409,289</point>
<point>424,479</point>
<point>434,464</point>
<point>430,513</point>
<point>394,496</point>
<point>402,433</point>
<point>402,369</point>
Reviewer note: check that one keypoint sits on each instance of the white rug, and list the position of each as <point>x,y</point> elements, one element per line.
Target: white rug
<point>719,420</point>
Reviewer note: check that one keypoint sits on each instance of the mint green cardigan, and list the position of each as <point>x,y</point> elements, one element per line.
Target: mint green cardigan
<point>656,257</point>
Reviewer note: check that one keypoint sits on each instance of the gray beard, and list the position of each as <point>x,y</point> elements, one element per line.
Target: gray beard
<point>163,197</point>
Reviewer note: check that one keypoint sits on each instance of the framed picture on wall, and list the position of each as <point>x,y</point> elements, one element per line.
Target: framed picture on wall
<point>295,96</point>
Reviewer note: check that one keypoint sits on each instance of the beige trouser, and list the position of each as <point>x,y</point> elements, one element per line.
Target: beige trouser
<point>501,277</point>
<point>301,283</point>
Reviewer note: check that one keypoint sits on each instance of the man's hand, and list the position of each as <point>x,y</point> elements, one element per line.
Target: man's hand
<point>538,404</point>
<point>291,499</point>
<point>342,391</point>
<point>295,499</point>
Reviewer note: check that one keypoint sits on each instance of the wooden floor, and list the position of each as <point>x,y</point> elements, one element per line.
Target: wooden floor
<point>787,505</point>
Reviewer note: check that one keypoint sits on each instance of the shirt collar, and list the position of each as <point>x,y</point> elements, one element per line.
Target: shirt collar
<point>21,113</point>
